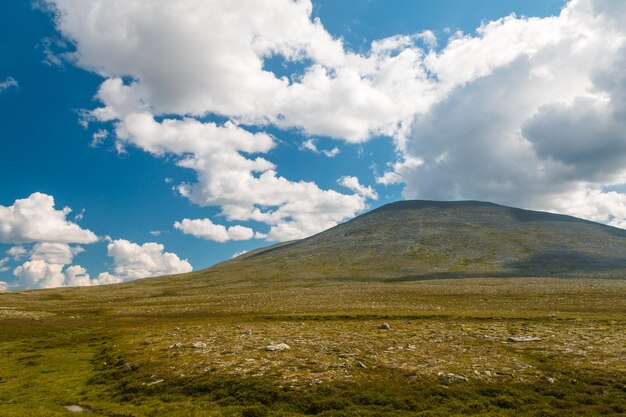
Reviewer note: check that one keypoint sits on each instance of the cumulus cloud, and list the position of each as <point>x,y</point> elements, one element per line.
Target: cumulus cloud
<point>17,252</point>
<point>536,118</point>
<point>221,68</point>
<point>310,145</point>
<point>133,261</point>
<point>9,82</point>
<point>34,219</point>
<point>206,229</point>
<point>526,111</point>
<point>49,267</point>
<point>352,183</point>
<point>245,187</point>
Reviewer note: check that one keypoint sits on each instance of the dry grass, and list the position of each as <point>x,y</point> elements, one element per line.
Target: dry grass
<point>134,354</point>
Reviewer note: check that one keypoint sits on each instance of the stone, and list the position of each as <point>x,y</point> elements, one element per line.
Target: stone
<point>176,345</point>
<point>524,339</point>
<point>198,345</point>
<point>278,347</point>
<point>449,378</point>
<point>77,409</point>
<point>154,382</point>
<point>384,326</point>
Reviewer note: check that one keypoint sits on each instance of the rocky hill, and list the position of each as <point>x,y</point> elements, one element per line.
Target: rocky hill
<point>432,239</point>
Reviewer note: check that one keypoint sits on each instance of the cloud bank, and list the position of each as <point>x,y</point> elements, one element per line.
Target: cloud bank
<point>44,236</point>
<point>526,111</point>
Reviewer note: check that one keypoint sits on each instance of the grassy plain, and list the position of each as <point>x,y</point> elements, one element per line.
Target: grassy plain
<point>197,347</point>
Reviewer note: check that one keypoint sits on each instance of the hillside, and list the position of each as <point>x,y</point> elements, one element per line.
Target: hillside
<point>431,239</point>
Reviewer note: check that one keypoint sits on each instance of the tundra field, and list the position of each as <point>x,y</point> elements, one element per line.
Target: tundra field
<point>175,346</point>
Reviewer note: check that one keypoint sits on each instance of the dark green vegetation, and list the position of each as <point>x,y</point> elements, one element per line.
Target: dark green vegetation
<point>194,344</point>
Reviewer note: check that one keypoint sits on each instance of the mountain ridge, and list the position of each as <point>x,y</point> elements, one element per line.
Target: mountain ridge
<point>420,239</point>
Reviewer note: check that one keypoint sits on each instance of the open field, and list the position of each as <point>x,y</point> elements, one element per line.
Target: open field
<point>181,347</point>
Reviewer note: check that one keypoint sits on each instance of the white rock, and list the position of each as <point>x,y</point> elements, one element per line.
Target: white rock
<point>198,345</point>
<point>277,347</point>
<point>524,339</point>
<point>77,409</point>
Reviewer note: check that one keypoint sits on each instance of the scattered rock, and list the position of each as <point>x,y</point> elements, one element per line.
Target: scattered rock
<point>198,345</point>
<point>154,382</point>
<point>550,379</point>
<point>384,326</point>
<point>277,347</point>
<point>248,333</point>
<point>176,345</point>
<point>78,409</point>
<point>448,378</point>
<point>524,339</point>
<point>361,365</point>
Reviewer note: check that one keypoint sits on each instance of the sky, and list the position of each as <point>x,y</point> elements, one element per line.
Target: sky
<point>142,138</point>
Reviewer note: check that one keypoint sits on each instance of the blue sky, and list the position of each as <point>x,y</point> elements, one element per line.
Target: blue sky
<point>401,139</point>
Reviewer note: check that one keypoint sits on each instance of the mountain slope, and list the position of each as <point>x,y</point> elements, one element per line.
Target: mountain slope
<point>432,239</point>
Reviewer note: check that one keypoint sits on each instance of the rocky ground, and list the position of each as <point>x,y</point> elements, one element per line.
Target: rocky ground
<point>536,347</point>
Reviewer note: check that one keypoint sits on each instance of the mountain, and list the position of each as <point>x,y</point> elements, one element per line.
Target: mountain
<point>410,240</point>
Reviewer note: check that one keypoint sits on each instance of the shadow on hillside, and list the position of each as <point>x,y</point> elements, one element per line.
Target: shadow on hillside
<point>553,264</point>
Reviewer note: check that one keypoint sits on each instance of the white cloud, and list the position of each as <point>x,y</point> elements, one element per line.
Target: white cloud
<point>352,183</point>
<point>40,274</point>
<point>3,262</point>
<point>155,232</point>
<point>246,188</point>
<point>98,137</point>
<point>528,111</point>
<point>394,176</point>
<point>133,261</point>
<point>236,254</point>
<point>9,82</point>
<point>46,267</point>
<point>34,219</point>
<point>221,68</point>
<point>17,252</point>
<point>206,229</point>
<point>535,118</point>
<point>310,145</point>
<point>107,278</point>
